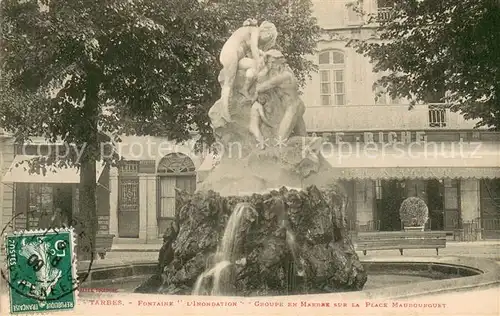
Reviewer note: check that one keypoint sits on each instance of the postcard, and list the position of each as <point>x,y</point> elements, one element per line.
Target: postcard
<point>266,157</point>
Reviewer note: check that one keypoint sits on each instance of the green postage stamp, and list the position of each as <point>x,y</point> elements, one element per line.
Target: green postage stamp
<point>41,269</point>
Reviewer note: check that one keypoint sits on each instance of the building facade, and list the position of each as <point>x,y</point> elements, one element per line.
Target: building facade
<point>28,196</point>
<point>143,187</point>
<point>135,200</point>
<point>456,168</point>
<point>383,152</point>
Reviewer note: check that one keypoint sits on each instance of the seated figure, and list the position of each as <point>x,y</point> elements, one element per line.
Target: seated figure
<point>241,51</point>
<point>281,79</point>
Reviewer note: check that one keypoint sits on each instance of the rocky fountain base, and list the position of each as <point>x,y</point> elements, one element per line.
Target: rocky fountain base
<point>278,243</point>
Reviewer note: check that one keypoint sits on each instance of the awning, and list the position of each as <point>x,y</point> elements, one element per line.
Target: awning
<point>414,161</point>
<point>397,173</point>
<point>19,173</point>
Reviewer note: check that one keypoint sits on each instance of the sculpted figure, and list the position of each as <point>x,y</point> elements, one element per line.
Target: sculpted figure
<point>241,51</point>
<point>257,116</point>
<point>282,80</point>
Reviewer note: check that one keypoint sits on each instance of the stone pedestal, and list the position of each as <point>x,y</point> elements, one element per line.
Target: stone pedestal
<point>269,168</point>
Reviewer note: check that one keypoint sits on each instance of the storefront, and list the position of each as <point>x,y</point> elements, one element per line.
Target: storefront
<point>460,182</point>
<point>37,195</point>
<point>144,186</point>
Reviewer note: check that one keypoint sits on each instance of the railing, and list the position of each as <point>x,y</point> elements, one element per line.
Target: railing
<point>384,13</point>
<point>477,229</point>
<point>437,116</point>
<point>472,230</point>
<point>383,117</point>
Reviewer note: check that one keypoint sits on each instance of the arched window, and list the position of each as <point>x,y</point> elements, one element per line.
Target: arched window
<point>175,170</point>
<point>176,163</point>
<point>332,77</point>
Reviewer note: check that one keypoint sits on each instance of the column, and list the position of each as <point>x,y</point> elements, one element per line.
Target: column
<point>470,206</point>
<point>152,222</point>
<point>113,201</point>
<point>143,206</point>
<point>469,199</point>
<point>364,201</point>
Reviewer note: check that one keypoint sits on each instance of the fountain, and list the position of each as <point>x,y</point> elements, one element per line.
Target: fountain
<point>263,236</point>
<point>226,252</point>
<point>281,242</point>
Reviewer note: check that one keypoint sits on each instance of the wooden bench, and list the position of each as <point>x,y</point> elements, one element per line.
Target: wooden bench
<point>399,240</point>
<point>103,243</point>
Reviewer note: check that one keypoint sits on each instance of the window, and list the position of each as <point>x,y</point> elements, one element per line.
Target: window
<point>490,199</point>
<point>176,163</point>
<point>41,197</point>
<point>332,79</point>
<point>175,170</point>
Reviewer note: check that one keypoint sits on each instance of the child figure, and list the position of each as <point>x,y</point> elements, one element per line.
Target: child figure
<point>234,54</point>
<point>257,116</point>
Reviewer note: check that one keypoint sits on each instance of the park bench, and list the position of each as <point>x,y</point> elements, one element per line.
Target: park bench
<point>103,243</point>
<point>399,240</point>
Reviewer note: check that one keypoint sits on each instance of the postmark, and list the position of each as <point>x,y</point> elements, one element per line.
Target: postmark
<point>41,270</point>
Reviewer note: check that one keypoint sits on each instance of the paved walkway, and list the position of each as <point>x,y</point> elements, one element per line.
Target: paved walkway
<point>123,254</point>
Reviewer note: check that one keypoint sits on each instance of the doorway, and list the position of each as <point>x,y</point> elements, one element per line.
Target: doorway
<point>451,203</point>
<point>128,208</point>
<point>63,199</point>
<point>393,193</point>
<point>435,203</point>
<point>176,171</point>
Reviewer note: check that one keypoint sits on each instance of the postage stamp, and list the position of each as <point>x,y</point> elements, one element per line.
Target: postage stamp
<point>41,269</point>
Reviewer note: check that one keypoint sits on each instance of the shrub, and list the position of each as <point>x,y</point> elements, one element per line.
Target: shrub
<point>413,212</point>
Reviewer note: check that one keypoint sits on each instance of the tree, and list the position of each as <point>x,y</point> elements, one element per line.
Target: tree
<point>85,72</point>
<point>434,46</point>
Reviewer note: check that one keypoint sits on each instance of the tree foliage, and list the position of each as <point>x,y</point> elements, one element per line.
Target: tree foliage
<point>154,62</point>
<point>76,71</point>
<point>435,46</point>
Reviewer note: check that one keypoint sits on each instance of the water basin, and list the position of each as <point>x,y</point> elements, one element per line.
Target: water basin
<point>382,275</point>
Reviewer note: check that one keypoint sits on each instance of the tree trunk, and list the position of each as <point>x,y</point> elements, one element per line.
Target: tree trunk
<point>88,207</point>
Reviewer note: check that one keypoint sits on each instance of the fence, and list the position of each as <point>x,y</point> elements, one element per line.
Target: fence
<point>472,230</point>
<point>384,13</point>
<point>437,116</point>
<point>477,229</point>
